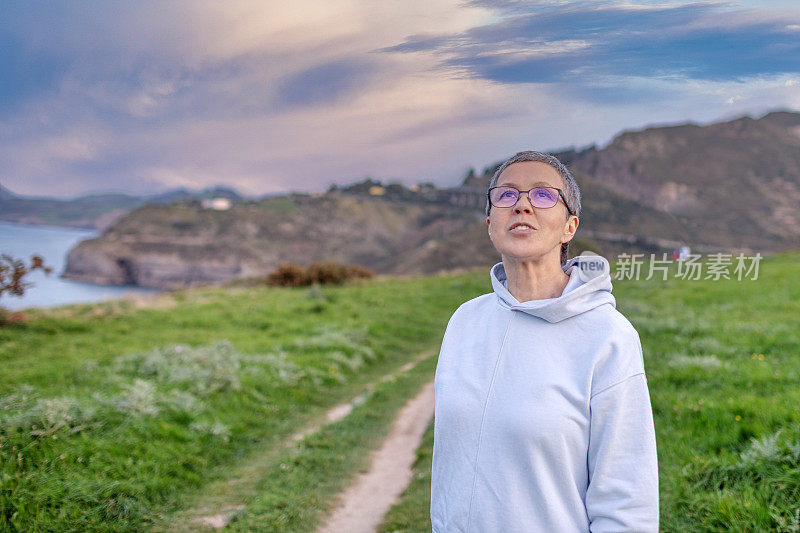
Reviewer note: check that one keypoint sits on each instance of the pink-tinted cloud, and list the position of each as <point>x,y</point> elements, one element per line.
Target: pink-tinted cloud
<point>269,97</point>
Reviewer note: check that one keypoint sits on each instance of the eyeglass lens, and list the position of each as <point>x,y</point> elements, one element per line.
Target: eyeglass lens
<point>541,197</point>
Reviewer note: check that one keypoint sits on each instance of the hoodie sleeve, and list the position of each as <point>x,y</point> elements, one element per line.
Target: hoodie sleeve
<point>623,466</point>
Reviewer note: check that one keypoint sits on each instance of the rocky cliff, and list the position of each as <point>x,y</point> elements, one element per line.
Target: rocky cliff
<point>184,244</point>
<point>725,186</point>
<point>731,186</point>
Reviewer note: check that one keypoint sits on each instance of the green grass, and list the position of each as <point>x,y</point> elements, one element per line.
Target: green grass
<point>299,490</point>
<point>723,366</point>
<point>115,416</point>
<point>121,416</point>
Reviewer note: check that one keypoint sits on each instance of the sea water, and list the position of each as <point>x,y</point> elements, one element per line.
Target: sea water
<point>53,243</point>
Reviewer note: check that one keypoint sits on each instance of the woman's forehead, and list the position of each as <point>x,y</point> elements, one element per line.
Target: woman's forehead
<point>526,174</point>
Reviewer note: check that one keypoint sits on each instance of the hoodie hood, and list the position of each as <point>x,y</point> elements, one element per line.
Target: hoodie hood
<point>589,286</point>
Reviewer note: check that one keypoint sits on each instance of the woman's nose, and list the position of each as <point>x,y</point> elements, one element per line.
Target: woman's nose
<point>522,205</point>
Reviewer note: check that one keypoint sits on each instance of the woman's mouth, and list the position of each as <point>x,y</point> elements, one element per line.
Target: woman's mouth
<point>521,228</point>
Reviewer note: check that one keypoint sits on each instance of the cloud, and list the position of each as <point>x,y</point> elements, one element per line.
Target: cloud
<point>264,97</point>
<point>327,82</point>
<point>24,73</point>
<point>268,97</point>
<point>601,45</point>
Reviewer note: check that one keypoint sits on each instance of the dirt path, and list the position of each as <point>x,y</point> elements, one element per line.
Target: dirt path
<point>364,504</point>
<point>224,498</point>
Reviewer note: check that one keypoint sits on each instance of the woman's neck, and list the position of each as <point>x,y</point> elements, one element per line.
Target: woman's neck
<point>531,280</point>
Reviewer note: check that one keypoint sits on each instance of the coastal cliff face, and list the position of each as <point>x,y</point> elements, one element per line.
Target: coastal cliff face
<point>727,187</point>
<point>97,261</point>
<point>184,244</point>
<point>734,183</point>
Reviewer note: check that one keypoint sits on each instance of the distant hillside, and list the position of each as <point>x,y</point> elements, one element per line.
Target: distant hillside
<point>185,244</point>
<point>5,194</point>
<point>95,211</point>
<point>727,187</point>
<point>731,184</point>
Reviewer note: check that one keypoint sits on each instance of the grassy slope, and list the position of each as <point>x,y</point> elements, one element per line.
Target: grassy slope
<point>712,395</point>
<point>301,487</point>
<point>100,429</point>
<point>723,365</point>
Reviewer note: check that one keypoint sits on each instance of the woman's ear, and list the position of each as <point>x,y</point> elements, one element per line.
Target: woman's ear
<point>570,228</point>
<point>489,224</point>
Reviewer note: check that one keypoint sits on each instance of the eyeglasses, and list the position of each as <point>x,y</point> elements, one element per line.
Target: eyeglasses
<point>539,197</point>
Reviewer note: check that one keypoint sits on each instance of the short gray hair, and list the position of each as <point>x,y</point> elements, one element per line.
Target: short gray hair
<point>571,190</point>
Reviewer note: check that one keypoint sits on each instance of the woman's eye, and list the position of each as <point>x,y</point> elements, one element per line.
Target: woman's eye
<point>508,194</point>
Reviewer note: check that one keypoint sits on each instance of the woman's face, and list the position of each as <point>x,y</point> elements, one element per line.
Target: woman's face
<point>547,228</point>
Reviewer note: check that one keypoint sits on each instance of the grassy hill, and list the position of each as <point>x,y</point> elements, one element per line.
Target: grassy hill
<point>115,415</point>
<point>95,211</point>
<point>121,415</point>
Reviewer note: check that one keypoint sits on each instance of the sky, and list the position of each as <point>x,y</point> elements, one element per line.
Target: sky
<point>270,97</point>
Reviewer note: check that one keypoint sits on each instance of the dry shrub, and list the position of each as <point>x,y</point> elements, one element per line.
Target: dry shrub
<point>288,275</point>
<point>336,273</point>
<point>8,318</point>
<point>327,272</point>
<point>322,273</point>
<point>359,272</point>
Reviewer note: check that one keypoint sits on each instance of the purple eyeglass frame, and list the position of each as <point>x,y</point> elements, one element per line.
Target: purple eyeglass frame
<point>519,192</point>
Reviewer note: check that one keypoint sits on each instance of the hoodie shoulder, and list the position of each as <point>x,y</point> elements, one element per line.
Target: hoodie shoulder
<point>615,321</point>
<point>464,323</point>
<point>477,304</point>
<point>622,355</point>
<point>471,311</point>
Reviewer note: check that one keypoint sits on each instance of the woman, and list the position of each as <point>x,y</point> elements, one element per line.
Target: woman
<point>543,418</point>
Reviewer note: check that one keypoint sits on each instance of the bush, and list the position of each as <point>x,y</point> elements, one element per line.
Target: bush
<point>359,272</point>
<point>327,272</point>
<point>288,275</point>
<point>322,273</point>
<point>8,318</point>
<point>336,273</point>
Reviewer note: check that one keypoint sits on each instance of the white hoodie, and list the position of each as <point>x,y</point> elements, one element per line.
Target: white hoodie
<point>543,418</point>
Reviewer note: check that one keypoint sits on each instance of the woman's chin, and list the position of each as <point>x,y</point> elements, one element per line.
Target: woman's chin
<point>527,252</point>
<point>520,246</point>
